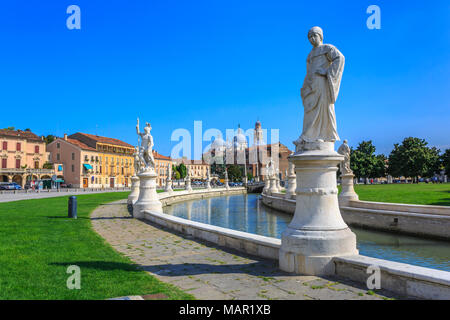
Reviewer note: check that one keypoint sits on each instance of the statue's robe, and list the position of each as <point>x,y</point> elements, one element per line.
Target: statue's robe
<point>319,93</point>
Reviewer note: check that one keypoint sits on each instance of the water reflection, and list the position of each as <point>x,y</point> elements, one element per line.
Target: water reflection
<point>246,213</point>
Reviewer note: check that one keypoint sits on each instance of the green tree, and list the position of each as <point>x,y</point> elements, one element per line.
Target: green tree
<point>9,128</point>
<point>47,165</point>
<point>364,162</point>
<point>412,158</point>
<point>235,172</point>
<point>445,158</point>
<point>181,168</point>
<point>49,138</point>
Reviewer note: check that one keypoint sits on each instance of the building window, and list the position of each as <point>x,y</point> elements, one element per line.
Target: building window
<point>73,156</point>
<point>58,157</point>
<point>100,169</point>
<point>5,145</point>
<point>17,163</point>
<point>18,146</point>
<point>36,164</point>
<point>58,145</point>
<point>73,168</point>
<point>36,149</point>
<point>4,163</point>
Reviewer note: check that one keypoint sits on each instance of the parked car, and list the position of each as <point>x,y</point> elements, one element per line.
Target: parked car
<point>10,186</point>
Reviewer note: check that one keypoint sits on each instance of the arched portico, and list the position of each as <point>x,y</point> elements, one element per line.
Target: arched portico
<point>18,179</point>
<point>4,178</point>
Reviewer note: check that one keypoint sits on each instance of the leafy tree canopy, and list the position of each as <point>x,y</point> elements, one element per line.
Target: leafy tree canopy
<point>446,161</point>
<point>364,162</point>
<point>413,158</point>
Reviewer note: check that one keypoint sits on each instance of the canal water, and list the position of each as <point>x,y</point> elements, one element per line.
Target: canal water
<point>246,213</point>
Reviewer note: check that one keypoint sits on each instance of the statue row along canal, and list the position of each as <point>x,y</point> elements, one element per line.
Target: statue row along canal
<point>246,213</point>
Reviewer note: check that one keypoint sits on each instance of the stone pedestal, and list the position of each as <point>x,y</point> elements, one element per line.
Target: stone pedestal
<point>273,185</point>
<point>134,194</point>
<point>266,185</point>
<point>348,192</point>
<point>187,184</point>
<point>148,198</point>
<point>208,184</point>
<point>168,187</point>
<point>277,184</point>
<point>227,186</point>
<point>317,232</point>
<point>292,185</point>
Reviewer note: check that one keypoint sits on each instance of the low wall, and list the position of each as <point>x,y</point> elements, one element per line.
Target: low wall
<point>416,220</point>
<point>401,278</point>
<point>416,224</point>
<point>277,201</point>
<point>167,198</point>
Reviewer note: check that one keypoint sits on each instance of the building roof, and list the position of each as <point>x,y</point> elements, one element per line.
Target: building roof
<point>79,144</point>
<point>160,156</point>
<point>28,135</point>
<point>86,138</point>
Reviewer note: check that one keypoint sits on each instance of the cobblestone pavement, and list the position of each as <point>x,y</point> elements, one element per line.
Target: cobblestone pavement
<point>211,272</point>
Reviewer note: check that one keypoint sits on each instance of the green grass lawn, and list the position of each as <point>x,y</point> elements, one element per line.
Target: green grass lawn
<point>38,242</point>
<point>422,193</point>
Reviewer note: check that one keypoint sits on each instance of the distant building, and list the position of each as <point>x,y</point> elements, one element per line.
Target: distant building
<point>161,165</point>
<point>23,155</point>
<point>256,156</point>
<point>198,169</point>
<point>93,161</point>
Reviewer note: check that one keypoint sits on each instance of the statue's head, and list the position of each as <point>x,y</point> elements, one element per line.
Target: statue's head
<point>147,128</point>
<point>315,36</point>
<point>345,141</point>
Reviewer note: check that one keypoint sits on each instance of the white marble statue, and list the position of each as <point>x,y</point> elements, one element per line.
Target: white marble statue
<point>344,149</point>
<point>324,68</point>
<point>137,161</point>
<point>270,169</point>
<point>146,149</point>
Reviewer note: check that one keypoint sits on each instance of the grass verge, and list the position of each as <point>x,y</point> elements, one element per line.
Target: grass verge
<point>38,242</point>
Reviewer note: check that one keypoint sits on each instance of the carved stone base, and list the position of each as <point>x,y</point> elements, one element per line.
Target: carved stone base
<point>317,232</point>
<point>227,186</point>
<point>266,185</point>
<point>273,185</point>
<point>168,187</point>
<point>292,185</point>
<point>134,194</point>
<point>148,199</point>
<point>348,192</point>
<point>187,185</point>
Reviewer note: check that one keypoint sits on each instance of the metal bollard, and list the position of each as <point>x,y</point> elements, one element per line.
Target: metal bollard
<point>72,207</point>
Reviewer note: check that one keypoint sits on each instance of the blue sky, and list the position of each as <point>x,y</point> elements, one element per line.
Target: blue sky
<point>225,63</point>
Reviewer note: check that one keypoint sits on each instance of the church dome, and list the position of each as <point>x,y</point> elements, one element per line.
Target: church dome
<point>240,138</point>
<point>218,143</point>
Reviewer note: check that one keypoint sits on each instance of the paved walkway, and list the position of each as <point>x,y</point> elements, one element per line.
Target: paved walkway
<point>21,195</point>
<point>211,272</point>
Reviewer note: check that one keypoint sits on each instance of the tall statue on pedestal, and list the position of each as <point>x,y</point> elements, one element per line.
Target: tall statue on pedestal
<point>148,199</point>
<point>317,232</point>
<point>168,187</point>
<point>134,194</point>
<point>348,192</point>
<point>324,68</point>
<point>344,149</point>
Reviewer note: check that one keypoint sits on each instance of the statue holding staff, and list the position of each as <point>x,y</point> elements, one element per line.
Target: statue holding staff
<point>146,149</point>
